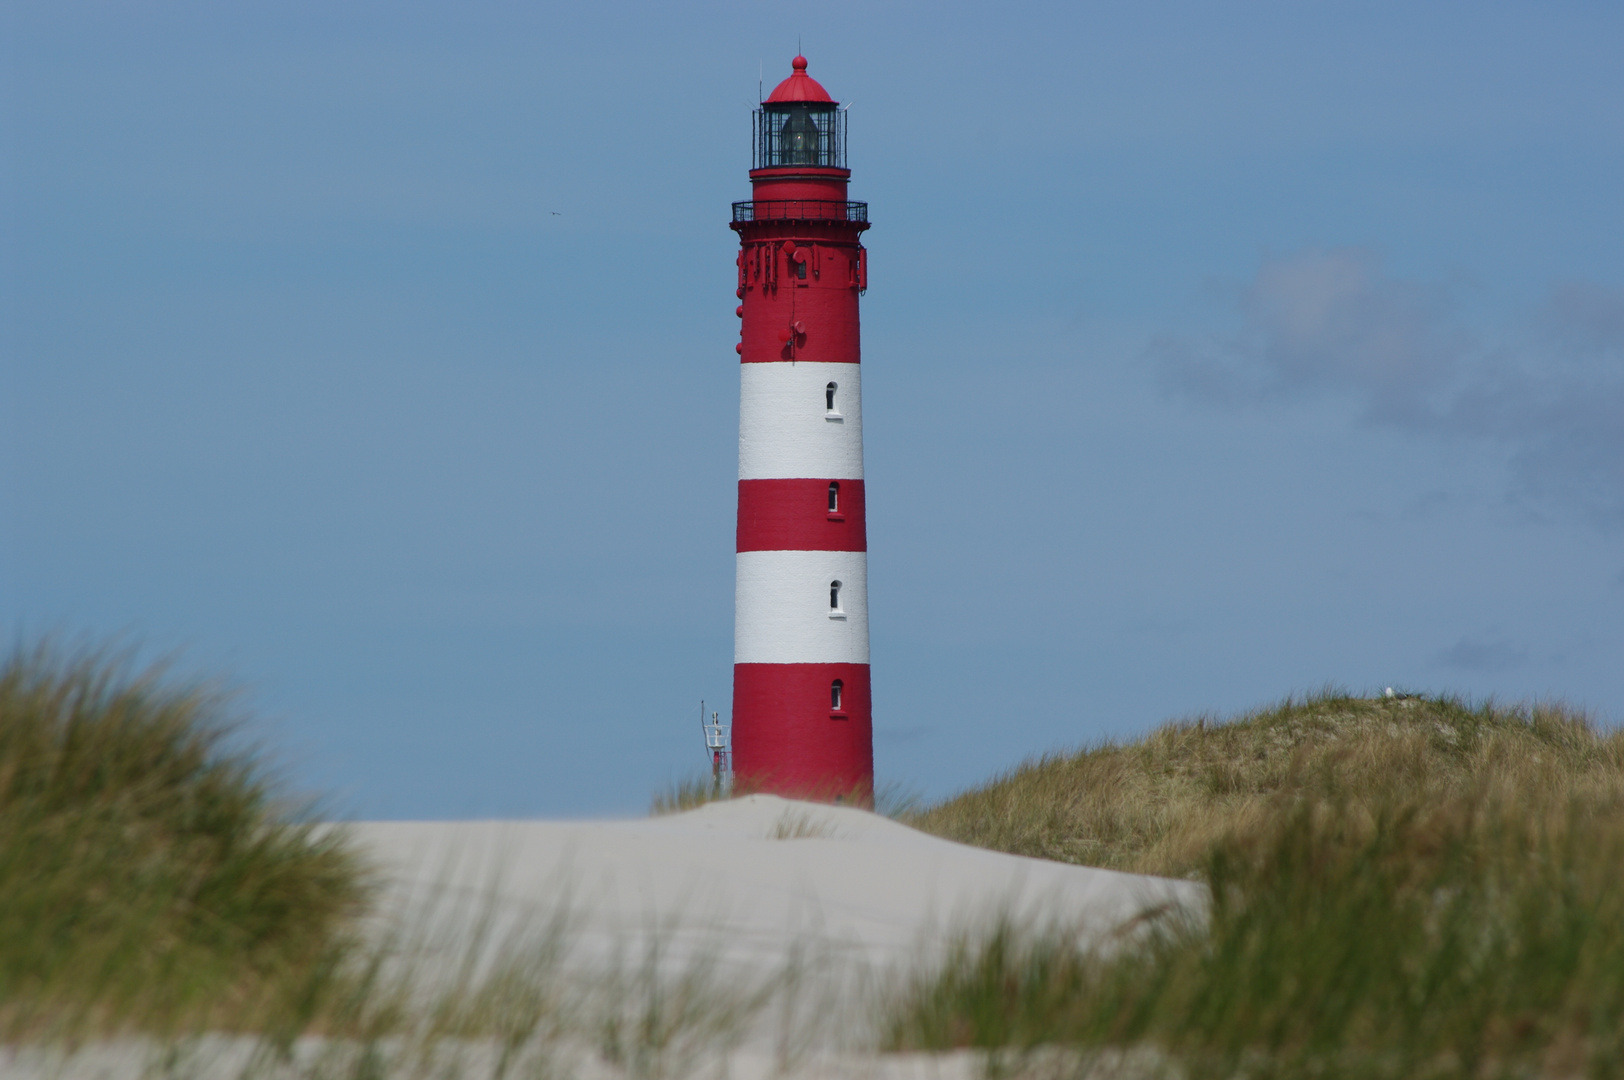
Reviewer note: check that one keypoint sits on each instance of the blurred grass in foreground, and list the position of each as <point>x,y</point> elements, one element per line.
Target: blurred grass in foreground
<point>162,907</point>
<point>1400,888</point>
<point>147,871</point>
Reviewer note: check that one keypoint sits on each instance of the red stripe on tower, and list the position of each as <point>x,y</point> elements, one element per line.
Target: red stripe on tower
<point>814,745</point>
<point>809,515</point>
<point>801,716</point>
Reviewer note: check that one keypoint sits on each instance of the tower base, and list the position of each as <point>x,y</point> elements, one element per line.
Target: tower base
<point>789,740</point>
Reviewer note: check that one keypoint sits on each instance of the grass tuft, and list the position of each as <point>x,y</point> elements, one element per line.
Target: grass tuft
<point>147,870</point>
<point>799,824</point>
<point>688,793</point>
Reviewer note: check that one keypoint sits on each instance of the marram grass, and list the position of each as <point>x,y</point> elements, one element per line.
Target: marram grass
<point>160,899</point>
<point>1158,805</point>
<point>147,870</point>
<point>1410,888</point>
<point>688,793</point>
<point>1415,887</point>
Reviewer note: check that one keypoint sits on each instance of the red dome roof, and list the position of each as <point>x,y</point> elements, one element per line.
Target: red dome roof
<point>800,86</point>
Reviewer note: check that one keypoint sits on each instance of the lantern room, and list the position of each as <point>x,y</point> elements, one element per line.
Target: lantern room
<point>799,125</point>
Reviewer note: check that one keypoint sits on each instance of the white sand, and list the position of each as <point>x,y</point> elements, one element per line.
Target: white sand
<point>743,884</point>
<point>719,879</point>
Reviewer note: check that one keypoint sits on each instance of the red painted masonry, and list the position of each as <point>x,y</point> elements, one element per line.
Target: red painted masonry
<point>807,751</point>
<point>818,313</point>
<point>801,268</point>
<point>794,515</point>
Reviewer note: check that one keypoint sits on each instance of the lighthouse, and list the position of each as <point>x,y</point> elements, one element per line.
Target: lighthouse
<point>801,715</point>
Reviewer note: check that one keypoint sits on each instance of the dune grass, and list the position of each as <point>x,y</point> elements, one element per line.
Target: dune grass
<point>157,888</point>
<point>1400,888</point>
<point>1159,804</point>
<point>800,825</point>
<point>892,800</point>
<point>688,793</point>
<point>147,869</point>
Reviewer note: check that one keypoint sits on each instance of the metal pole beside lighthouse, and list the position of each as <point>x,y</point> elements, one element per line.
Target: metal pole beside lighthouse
<point>801,718</point>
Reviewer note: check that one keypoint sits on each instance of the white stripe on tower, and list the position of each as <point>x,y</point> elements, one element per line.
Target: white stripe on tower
<point>786,430</point>
<point>782,609</point>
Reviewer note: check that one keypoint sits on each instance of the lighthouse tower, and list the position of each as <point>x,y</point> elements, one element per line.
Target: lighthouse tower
<point>801,723</point>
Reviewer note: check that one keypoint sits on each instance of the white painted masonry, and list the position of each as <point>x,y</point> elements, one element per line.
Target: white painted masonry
<point>785,432</point>
<point>781,606</point>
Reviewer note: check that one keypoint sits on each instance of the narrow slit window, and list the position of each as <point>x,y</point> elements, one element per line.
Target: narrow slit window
<point>836,693</point>
<point>834,596</point>
<point>834,497</point>
<point>829,397</point>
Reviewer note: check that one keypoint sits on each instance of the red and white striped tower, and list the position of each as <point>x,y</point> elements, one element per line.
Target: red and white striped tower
<point>801,723</point>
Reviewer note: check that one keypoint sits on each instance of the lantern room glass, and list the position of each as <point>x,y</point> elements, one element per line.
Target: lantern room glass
<point>799,133</point>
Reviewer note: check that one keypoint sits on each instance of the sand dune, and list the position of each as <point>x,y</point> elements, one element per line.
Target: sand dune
<point>747,878</point>
<point>745,890</point>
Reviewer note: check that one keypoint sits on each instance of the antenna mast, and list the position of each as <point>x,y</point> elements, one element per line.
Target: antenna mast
<point>716,738</point>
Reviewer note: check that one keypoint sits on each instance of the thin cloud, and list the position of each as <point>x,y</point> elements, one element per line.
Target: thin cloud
<point>1470,654</point>
<point>1585,316</point>
<point>1334,323</point>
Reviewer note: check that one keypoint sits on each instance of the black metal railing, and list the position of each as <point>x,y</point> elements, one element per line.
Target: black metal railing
<point>800,210</point>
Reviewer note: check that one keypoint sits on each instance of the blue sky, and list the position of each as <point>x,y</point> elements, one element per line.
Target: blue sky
<point>379,356</point>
